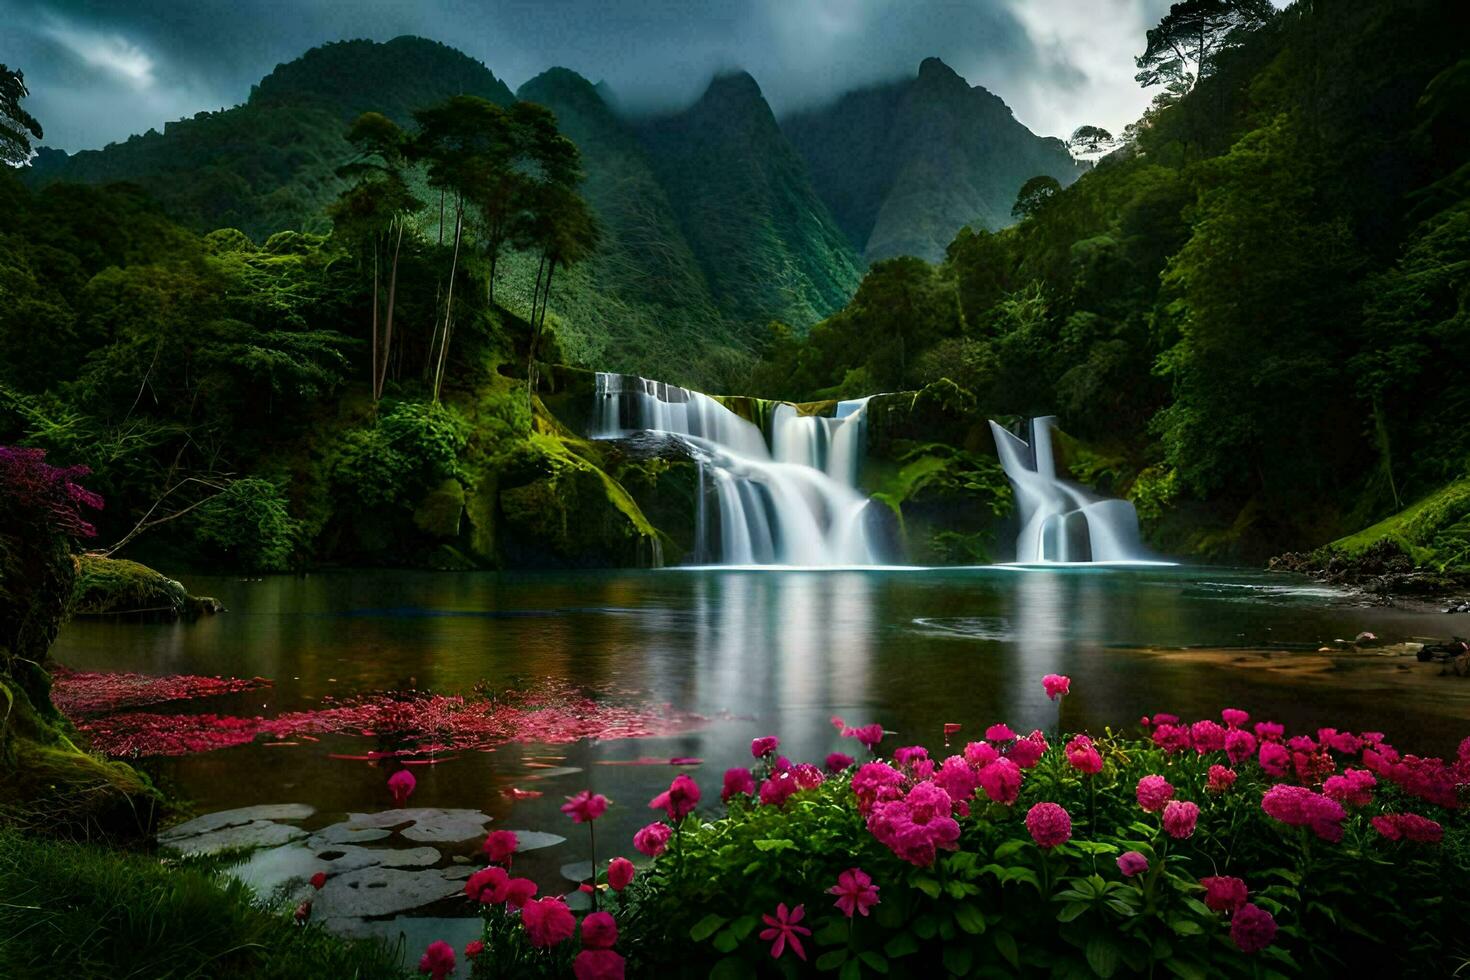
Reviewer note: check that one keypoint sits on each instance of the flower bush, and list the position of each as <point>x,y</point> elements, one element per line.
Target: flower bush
<point>1175,852</point>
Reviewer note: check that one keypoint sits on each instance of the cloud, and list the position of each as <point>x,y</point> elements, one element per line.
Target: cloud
<point>1057,63</point>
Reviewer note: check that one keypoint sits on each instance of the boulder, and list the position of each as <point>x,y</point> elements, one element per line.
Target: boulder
<point>438,515</point>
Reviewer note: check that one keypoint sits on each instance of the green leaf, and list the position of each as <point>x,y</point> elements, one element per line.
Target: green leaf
<point>969,918</point>
<point>831,960</point>
<point>744,926</point>
<point>1009,849</point>
<point>1102,956</point>
<point>706,927</point>
<point>850,971</point>
<point>925,927</point>
<point>889,914</point>
<point>1186,969</point>
<point>1005,945</point>
<point>1185,927</point>
<point>875,962</point>
<point>957,959</point>
<point>1071,911</point>
<point>900,946</point>
<point>834,932</point>
<point>725,941</point>
<point>776,845</point>
<point>928,886</point>
<point>1026,875</point>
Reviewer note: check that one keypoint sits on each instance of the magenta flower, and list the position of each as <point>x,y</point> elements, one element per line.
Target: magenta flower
<point>599,931</point>
<point>1273,758</point>
<point>319,880</point>
<point>908,755</point>
<point>1131,863</point>
<point>1252,928</point>
<point>487,886</point>
<point>519,891</point>
<point>1220,779</point>
<point>1049,824</point>
<point>438,960</point>
<point>401,785</point>
<point>1224,894</point>
<point>999,733</point>
<point>1239,745</point>
<point>620,873</point>
<point>598,964</point>
<point>738,781</point>
<point>585,807</point>
<point>1298,806</point>
<point>1056,685</point>
<point>1153,793</point>
<point>473,948</point>
<point>1082,756</point>
<point>957,778</point>
<point>855,892</point>
<point>868,735</point>
<point>1027,752</point>
<point>876,782</point>
<point>1180,818</point>
<point>652,840</point>
<point>679,799</point>
<point>784,929</point>
<point>1001,781</point>
<point>838,761</point>
<point>1234,717</point>
<point>778,789</point>
<point>548,921</point>
<point>1269,731</point>
<point>764,746</point>
<point>1408,826</point>
<point>980,754</point>
<point>1207,736</point>
<point>500,845</point>
<point>1353,788</point>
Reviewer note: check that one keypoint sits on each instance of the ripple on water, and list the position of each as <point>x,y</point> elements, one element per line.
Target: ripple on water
<point>969,627</point>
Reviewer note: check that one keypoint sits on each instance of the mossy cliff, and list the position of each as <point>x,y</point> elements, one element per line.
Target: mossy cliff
<point>48,780</point>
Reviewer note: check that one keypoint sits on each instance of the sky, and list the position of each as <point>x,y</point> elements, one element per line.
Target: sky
<point>101,70</point>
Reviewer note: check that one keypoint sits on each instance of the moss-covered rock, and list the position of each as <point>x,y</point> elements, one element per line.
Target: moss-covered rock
<point>439,514</point>
<point>118,587</point>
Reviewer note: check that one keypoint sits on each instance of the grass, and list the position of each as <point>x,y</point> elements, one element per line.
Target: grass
<point>1434,530</point>
<point>81,910</point>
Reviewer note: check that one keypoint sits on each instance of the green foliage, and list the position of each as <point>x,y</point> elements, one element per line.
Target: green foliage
<point>17,126</point>
<point>411,447</point>
<point>1032,197</point>
<point>107,586</point>
<point>85,910</point>
<point>249,525</point>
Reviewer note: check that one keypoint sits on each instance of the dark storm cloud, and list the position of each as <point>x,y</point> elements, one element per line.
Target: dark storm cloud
<point>102,69</point>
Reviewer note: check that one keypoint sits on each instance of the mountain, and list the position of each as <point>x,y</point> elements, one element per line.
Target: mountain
<point>270,163</point>
<point>906,165</point>
<point>766,241</point>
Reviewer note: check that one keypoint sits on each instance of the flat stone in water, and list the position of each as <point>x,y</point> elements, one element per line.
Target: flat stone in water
<point>382,891</point>
<point>348,833</point>
<point>231,818</point>
<point>577,871</point>
<point>255,834</point>
<point>291,867</point>
<point>429,824</point>
<point>534,840</point>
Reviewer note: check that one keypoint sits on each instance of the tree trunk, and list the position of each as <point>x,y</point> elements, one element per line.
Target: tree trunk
<point>537,326</point>
<point>382,379</point>
<point>449,298</point>
<point>374,372</point>
<point>441,216</point>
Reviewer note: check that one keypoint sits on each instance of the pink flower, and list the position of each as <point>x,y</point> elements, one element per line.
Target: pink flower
<point>916,826</point>
<point>1056,685</point>
<point>487,885</point>
<point>1353,788</point>
<point>619,873</point>
<point>1223,894</point>
<point>1180,818</point>
<point>598,964</point>
<point>1273,758</point>
<point>1171,737</point>
<point>980,754</point>
<point>1234,717</point>
<point>1220,780</point>
<point>585,807</point>
<point>1083,757</point>
<point>838,761</point>
<point>548,921</point>
<point>401,785</point>
<point>1162,718</point>
<point>1049,824</point>
<point>999,733</point>
<point>438,960</point>
<point>652,840</point>
<point>855,892</point>
<point>1239,745</point>
<point>778,789</point>
<point>599,931</point>
<point>1298,806</point>
<point>957,778</point>
<point>807,776</point>
<point>910,754</point>
<point>318,880</point>
<point>876,782</point>
<point>868,735</point>
<point>784,929</point>
<point>1027,752</point>
<point>473,948</point>
<point>1252,928</point>
<point>764,746</point>
<point>738,782</point>
<point>1131,863</point>
<point>1408,826</point>
<point>518,891</point>
<point>1153,793</point>
<point>679,799</point>
<point>1269,731</point>
<point>500,845</point>
<point>1001,781</point>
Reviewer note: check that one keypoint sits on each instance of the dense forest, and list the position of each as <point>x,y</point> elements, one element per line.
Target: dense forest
<point>1254,309</point>
<point>276,346</point>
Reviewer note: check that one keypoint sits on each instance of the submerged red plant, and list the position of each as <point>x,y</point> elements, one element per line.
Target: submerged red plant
<point>79,692</point>
<point>426,723</point>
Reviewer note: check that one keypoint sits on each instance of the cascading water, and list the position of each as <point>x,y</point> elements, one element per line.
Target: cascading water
<point>1061,522</point>
<point>792,503</point>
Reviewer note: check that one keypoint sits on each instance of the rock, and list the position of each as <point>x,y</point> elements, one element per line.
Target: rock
<point>378,891</point>
<point>235,818</point>
<point>255,834</point>
<point>438,514</point>
<point>427,824</point>
<point>116,587</point>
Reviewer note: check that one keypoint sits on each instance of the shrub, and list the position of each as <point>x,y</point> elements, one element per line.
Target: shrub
<point>250,524</point>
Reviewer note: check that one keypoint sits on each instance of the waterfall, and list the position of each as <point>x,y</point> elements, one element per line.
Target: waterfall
<point>1061,522</point>
<point>794,502</point>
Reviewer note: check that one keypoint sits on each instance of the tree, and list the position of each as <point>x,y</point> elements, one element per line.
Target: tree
<point>1033,196</point>
<point>1182,48</point>
<point>371,212</point>
<point>1092,139</point>
<point>17,127</point>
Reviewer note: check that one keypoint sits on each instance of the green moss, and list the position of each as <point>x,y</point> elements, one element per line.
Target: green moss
<point>117,587</point>
<point>89,911</point>
<point>438,514</point>
<point>1434,531</point>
